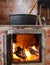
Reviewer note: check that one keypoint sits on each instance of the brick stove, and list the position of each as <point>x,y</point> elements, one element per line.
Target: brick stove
<point>19,47</point>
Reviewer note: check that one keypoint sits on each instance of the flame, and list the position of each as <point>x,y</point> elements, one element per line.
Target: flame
<point>34,48</point>
<point>15,56</point>
<point>13,47</point>
<point>28,55</point>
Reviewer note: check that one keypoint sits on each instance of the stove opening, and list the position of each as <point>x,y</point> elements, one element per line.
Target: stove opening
<point>26,47</point>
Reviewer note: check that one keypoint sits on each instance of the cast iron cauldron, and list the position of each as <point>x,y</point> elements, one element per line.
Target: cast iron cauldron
<point>22,19</point>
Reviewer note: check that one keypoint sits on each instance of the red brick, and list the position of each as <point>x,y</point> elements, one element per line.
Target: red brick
<point>48,38</point>
<point>0,42</point>
<point>47,51</point>
<point>4,5</point>
<point>0,62</point>
<point>0,50</point>
<point>12,1</point>
<point>48,62</point>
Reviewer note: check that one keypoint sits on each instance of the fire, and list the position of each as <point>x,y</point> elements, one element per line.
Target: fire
<point>28,54</point>
<point>34,48</point>
<point>13,47</point>
<point>14,56</point>
<point>24,49</point>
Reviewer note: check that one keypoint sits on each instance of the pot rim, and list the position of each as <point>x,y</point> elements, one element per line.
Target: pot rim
<point>23,15</point>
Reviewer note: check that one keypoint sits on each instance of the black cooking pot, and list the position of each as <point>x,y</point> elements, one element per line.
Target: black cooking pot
<point>22,19</point>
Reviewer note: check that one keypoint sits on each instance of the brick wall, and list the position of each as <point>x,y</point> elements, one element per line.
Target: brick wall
<point>47,46</point>
<point>3,13</point>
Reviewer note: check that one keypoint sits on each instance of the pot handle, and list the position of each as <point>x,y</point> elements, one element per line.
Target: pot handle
<point>32,7</point>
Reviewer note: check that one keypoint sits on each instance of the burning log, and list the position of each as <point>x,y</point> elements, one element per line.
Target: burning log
<point>19,52</point>
<point>33,50</point>
<point>25,48</point>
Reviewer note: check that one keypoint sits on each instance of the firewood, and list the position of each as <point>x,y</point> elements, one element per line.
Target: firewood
<point>19,53</point>
<point>32,51</point>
